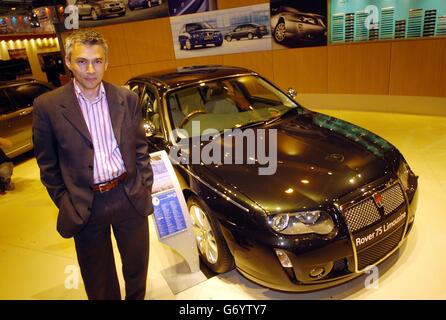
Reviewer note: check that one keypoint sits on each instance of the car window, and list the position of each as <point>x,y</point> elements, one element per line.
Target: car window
<point>306,19</point>
<point>137,88</point>
<point>24,95</point>
<point>226,103</point>
<point>193,27</point>
<point>5,104</point>
<point>151,109</point>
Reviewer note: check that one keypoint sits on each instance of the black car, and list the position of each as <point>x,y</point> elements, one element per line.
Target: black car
<point>199,34</point>
<point>249,31</point>
<point>16,100</point>
<point>339,200</point>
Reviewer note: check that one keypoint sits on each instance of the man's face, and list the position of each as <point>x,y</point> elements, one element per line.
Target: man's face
<point>88,64</point>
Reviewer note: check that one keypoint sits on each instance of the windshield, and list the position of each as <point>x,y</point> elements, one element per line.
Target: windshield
<point>198,26</point>
<point>226,104</point>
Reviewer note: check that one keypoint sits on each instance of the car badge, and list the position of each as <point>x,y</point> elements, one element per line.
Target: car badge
<point>336,157</point>
<point>378,199</point>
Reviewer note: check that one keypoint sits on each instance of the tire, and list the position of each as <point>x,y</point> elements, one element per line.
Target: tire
<point>188,45</point>
<point>259,36</point>
<point>228,38</point>
<point>279,32</point>
<point>250,36</point>
<point>211,244</point>
<point>94,14</point>
<point>218,44</point>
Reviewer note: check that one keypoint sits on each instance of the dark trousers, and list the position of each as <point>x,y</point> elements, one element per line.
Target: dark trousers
<point>95,252</point>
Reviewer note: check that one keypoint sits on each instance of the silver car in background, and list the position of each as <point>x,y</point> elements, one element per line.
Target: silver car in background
<point>97,9</point>
<point>16,106</point>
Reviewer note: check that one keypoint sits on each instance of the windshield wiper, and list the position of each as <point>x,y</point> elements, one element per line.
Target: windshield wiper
<point>281,116</point>
<point>251,124</point>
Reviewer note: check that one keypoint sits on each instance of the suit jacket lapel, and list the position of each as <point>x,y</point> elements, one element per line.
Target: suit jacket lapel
<point>116,109</point>
<point>72,111</point>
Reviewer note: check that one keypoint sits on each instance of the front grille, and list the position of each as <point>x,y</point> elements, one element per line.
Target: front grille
<point>376,252</point>
<point>365,213</point>
<point>392,199</point>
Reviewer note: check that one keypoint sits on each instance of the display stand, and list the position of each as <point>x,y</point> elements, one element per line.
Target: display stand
<point>173,225</point>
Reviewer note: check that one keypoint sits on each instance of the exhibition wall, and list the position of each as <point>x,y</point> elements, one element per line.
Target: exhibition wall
<point>409,67</point>
<point>414,67</point>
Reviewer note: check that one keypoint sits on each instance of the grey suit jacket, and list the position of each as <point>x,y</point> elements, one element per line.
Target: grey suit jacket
<point>64,153</point>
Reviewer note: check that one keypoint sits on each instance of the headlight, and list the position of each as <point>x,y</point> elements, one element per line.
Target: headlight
<point>403,174</point>
<point>305,222</point>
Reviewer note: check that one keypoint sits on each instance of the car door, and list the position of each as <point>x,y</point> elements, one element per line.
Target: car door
<point>83,7</point>
<point>6,113</point>
<point>22,97</point>
<point>238,32</point>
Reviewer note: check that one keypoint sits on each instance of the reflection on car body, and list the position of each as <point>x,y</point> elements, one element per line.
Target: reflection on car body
<point>97,9</point>
<point>341,199</point>
<point>288,23</point>
<point>16,99</point>
<point>249,30</point>
<point>199,34</point>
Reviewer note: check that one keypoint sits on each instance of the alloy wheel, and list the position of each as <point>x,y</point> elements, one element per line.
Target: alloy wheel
<point>94,14</point>
<point>204,235</point>
<point>279,32</point>
<point>188,44</point>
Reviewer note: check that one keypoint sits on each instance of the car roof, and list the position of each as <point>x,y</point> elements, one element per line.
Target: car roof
<point>5,83</point>
<point>174,78</point>
<point>296,11</point>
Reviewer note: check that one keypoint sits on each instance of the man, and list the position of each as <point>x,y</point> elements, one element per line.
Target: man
<point>90,146</point>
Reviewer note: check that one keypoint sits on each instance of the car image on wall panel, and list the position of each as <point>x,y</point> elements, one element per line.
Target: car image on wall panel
<point>298,23</point>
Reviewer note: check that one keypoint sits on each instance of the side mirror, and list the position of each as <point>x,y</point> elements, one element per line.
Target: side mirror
<point>149,129</point>
<point>292,92</point>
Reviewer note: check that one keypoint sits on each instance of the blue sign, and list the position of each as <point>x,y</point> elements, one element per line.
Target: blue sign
<point>168,216</point>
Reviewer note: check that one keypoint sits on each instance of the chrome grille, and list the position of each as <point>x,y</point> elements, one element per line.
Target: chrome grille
<point>373,254</point>
<point>361,215</point>
<point>366,212</point>
<point>392,199</point>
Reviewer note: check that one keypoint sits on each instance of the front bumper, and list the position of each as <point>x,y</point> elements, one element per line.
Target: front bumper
<point>338,257</point>
<point>201,41</point>
<point>111,10</point>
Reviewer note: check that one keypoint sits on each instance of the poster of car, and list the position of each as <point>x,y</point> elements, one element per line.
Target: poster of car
<point>94,13</point>
<point>181,7</point>
<point>298,23</point>
<point>220,32</point>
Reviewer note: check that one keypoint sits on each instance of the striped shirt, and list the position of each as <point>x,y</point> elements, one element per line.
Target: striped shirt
<point>108,163</point>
